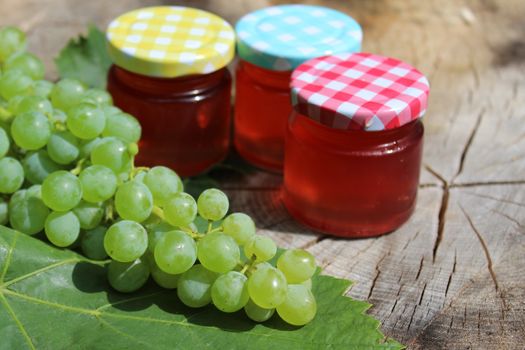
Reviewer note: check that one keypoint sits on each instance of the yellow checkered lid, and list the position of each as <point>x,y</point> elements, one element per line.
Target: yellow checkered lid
<point>170,41</point>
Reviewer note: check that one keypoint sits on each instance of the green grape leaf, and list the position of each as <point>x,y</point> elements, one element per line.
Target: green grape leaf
<point>57,299</point>
<point>86,59</point>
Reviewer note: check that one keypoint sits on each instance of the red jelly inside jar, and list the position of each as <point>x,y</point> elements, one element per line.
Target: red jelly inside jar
<point>351,182</point>
<point>262,107</point>
<point>354,144</point>
<point>185,121</point>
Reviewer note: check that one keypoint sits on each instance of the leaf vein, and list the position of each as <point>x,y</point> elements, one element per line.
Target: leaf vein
<point>50,304</point>
<point>17,321</point>
<point>124,334</point>
<point>43,269</point>
<point>8,258</point>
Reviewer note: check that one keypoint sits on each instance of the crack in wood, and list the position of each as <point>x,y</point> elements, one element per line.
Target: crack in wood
<point>483,246</point>
<point>501,200</point>
<point>314,242</point>
<point>469,142</point>
<point>420,268</point>
<point>378,272</point>
<point>510,218</point>
<point>451,274</point>
<point>412,317</point>
<point>487,183</point>
<point>422,294</point>
<point>442,210</point>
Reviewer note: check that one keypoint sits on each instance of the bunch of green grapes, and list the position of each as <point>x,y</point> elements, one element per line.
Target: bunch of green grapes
<point>67,170</point>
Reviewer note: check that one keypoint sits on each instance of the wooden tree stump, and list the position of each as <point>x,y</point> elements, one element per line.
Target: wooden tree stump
<point>453,276</point>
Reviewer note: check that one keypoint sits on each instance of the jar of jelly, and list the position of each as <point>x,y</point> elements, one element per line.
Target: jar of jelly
<point>169,72</point>
<point>354,143</point>
<point>271,43</point>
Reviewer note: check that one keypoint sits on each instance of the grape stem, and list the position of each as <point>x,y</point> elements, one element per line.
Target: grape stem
<point>137,170</point>
<point>60,126</point>
<point>109,211</point>
<point>5,115</point>
<point>158,212</point>
<point>210,226</point>
<point>247,268</point>
<point>78,168</point>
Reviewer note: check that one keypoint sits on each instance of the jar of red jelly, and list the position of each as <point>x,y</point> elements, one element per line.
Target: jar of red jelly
<point>354,143</point>
<point>271,43</point>
<point>169,72</point>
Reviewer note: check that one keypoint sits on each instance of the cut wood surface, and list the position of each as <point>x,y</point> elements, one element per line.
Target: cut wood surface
<point>453,277</point>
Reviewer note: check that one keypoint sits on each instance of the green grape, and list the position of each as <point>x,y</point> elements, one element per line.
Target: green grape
<point>110,152</point>
<point>128,277</point>
<point>58,117</point>
<point>12,105</point>
<point>126,241</point>
<point>218,252</point>
<point>42,88</point>
<point>229,292</point>
<point>62,228</point>
<point>122,126</point>
<point>110,110</point>
<point>27,211</point>
<point>163,279</point>
<point>67,93</point>
<point>11,175</point>
<point>194,286</point>
<point>38,166</point>
<point>4,143</point>
<point>89,214</point>
<point>61,191</point>
<point>163,184</point>
<point>175,252</point>
<point>99,183</point>
<point>180,210</point>
<point>31,130</point>
<point>63,147</point>
<point>267,286</point>
<point>12,40</point>
<point>86,121</point>
<point>140,176</point>
<point>307,284</point>
<point>27,63</point>
<point>257,313</point>
<point>239,226</point>
<point>98,97</point>
<point>297,265</point>
<point>86,146</point>
<point>213,204</point>
<point>300,306</point>
<point>92,243</point>
<point>133,201</point>
<point>4,211</point>
<point>32,104</point>
<point>261,247</point>
<point>15,83</point>
<point>156,232</point>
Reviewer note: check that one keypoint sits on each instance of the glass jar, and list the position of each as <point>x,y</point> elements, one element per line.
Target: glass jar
<point>354,145</point>
<point>271,43</point>
<point>169,72</point>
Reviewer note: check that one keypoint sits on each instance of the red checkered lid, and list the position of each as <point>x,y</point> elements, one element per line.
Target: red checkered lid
<point>359,91</point>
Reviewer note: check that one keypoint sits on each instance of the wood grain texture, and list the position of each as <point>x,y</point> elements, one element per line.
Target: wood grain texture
<point>453,276</point>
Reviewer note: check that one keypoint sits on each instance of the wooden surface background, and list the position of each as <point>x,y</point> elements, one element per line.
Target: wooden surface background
<point>453,276</point>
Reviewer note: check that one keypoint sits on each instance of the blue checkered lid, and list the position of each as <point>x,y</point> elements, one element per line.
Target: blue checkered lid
<point>282,37</point>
